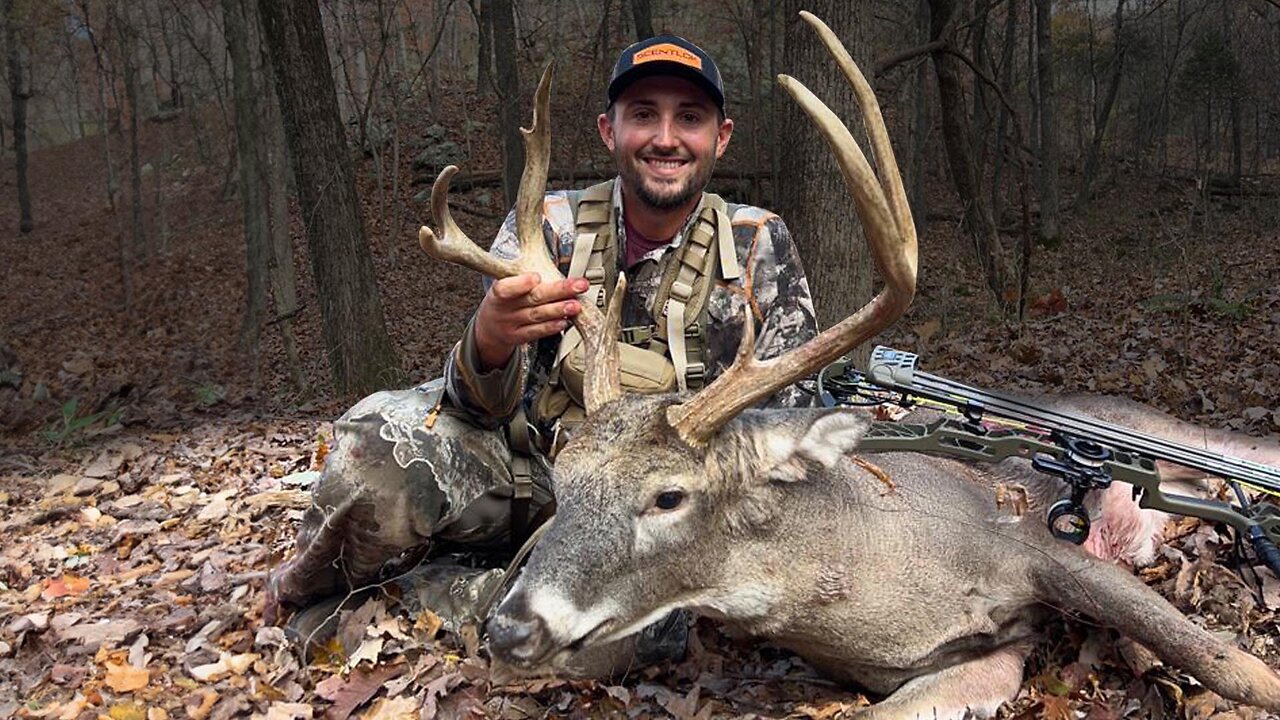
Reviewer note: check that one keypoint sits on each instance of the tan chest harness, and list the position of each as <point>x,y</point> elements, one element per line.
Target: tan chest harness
<point>664,356</point>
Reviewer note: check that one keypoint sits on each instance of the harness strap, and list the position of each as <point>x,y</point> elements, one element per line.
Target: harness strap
<point>594,257</point>
<point>521,475</point>
<point>681,301</point>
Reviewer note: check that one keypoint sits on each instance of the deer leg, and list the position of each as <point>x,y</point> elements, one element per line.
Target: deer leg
<point>976,688</point>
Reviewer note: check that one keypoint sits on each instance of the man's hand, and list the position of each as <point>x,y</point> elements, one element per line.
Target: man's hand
<point>521,309</point>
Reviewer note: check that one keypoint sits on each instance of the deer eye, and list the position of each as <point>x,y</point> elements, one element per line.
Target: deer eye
<point>668,499</point>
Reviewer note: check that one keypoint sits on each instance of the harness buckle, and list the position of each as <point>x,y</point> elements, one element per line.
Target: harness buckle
<point>695,373</point>
<point>636,334</point>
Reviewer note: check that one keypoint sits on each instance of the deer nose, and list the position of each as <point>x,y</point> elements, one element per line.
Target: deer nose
<point>516,639</point>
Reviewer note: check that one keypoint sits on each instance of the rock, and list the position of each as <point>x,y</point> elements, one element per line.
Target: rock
<point>438,155</point>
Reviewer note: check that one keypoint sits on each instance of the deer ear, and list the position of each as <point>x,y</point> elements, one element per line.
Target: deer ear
<point>787,443</point>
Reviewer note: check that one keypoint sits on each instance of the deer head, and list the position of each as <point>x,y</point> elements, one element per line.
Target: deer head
<point>638,533</point>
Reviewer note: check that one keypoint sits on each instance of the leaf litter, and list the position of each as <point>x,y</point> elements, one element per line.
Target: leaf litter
<point>137,541</point>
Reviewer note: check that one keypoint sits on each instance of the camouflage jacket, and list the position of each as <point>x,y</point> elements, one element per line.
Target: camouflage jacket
<point>772,282</point>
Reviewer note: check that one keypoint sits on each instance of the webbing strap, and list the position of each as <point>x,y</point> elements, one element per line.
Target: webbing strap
<point>677,310</point>
<point>729,268</point>
<point>521,476</point>
<point>592,247</point>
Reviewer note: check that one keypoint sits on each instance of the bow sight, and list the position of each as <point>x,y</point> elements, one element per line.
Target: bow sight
<point>1086,454</point>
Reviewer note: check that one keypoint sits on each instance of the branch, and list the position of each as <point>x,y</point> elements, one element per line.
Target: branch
<point>893,61</point>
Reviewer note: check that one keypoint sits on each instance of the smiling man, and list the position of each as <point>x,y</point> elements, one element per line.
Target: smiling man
<point>462,463</point>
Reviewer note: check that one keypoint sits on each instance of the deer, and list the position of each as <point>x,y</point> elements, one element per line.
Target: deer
<point>898,575</point>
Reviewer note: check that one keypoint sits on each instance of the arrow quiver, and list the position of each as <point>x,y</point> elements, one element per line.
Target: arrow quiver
<point>1086,454</point>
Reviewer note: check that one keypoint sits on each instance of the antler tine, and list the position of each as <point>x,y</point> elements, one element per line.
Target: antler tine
<point>455,247</point>
<point>533,184</point>
<point>452,245</point>
<point>881,149</point>
<point>603,381</point>
<point>890,237</point>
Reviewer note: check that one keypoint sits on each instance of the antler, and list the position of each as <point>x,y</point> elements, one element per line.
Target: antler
<point>891,237</point>
<point>602,384</point>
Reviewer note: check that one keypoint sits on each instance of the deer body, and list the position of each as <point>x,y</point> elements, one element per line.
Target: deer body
<point>926,592</point>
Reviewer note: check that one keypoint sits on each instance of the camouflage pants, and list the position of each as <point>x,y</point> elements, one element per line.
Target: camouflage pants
<point>399,482</point>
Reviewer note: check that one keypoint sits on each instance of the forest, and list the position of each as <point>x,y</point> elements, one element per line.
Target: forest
<point>212,212</point>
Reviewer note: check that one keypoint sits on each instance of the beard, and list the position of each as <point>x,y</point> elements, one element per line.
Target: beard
<point>664,196</point>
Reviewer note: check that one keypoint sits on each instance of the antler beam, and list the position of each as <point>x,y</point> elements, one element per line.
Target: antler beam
<point>603,383</point>
<point>891,237</point>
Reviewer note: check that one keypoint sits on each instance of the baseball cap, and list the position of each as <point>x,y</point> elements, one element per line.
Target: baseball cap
<point>667,55</point>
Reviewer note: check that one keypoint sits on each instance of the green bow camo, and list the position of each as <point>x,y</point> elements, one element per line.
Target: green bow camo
<point>1085,453</point>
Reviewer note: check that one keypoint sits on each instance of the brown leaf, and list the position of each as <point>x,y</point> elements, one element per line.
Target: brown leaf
<point>126,678</point>
<point>1057,707</point>
<point>400,708</point>
<point>927,329</point>
<point>127,711</point>
<point>202,705</point>
<point>350,692</point>
<point>437,689</point>
<point>64,586</point>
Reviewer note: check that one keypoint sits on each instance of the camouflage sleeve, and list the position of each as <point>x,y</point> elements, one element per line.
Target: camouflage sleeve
<point>781,293</point>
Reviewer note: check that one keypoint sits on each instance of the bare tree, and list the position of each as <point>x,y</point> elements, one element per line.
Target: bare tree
<point>827,231</point>
<point>642,16</point>
<point>18,96</point>
<point>1103,115</point>
<point>126,50</point>
<point>284,283</point>
<point>507,83</point>
<point>978,223</point>
<point>252,190</point>
<point>1046,96</point>
<point>361,356</point>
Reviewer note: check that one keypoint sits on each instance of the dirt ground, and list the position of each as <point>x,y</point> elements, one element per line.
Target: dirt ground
<point>139,523</point>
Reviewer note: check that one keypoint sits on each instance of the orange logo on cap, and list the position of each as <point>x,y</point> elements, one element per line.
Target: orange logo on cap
<point>670,53</point>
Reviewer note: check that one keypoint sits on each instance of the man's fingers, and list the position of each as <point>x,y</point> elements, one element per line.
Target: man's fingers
<point>550,292</point>
<point>548,312</point>
<point>514,287</point>
<point>532,333</point>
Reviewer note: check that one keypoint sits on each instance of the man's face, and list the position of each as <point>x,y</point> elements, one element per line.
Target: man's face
<point>665,136</point>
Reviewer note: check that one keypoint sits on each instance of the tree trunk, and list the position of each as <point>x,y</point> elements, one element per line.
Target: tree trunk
<point>1104,113</point>
<point>252,188</point>
<point>18,96</point>
<point>921,122</point>
<point>1050,232</point>
<point>484,47</point>
<point>955,135</point>
<point>814,202</point>
<point>127,46</point>
<point>1002,125</point>
<point>361,356</point>
<point>284,282</point>
<point>642,14</point>
<point>508,87</point>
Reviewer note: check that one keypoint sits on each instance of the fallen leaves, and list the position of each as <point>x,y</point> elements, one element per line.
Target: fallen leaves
<point>64,586</point>
<point>227,664</point>
<point>355,689</point>
<point>126,678</point>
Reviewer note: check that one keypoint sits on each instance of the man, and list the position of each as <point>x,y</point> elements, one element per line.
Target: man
<point>461,463</point>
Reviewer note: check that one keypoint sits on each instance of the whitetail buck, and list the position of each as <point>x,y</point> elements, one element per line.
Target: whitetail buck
<point>924,593</point>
